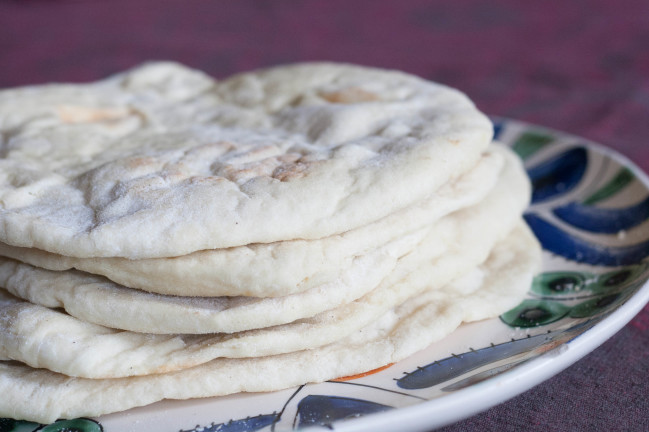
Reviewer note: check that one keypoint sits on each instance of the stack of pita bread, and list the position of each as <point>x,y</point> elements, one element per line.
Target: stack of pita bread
<point>165,235</point>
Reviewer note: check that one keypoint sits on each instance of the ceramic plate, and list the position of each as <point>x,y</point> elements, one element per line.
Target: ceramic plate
<point>590,211</point>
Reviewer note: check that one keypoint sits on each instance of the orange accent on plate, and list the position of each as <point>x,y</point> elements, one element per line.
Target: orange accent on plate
<point>364,374</point>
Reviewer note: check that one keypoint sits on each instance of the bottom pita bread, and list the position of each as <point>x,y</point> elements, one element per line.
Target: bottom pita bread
<point>497,285</point>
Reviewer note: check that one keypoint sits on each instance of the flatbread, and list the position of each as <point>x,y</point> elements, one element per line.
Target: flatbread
<point>96,300</point>
<point>44,396</point>
<point>198,198</point>
<point>162,161</point>
<point>279,268</point>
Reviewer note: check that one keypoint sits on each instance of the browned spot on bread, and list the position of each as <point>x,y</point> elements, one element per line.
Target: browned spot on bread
<point>141,162</point>
<point>171,368</point>
<point>74,114</point>
<point>213,149</point>
<point>268,167</point>
<point>288,172</point>
<point>206,180</point>
<point>349,95</point>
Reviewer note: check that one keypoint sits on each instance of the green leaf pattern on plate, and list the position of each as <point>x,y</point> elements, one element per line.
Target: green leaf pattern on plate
<point>574,294</point>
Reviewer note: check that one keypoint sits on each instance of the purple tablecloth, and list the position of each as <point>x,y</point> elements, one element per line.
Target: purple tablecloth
<point>577,66</point>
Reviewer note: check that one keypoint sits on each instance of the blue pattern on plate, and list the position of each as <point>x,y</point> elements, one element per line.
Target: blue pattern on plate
<point>558,175</point>
<point>603,220</point>
<point>570,246</point>
<point>250,424</point>
<point>498,128</point>
<point>454,366</point>
<point>323,410</point>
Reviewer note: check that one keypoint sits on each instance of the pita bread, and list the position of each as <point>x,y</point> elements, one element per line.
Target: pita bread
<point>158,218</point>
<point>279,268</point>
<point>93,299</point>
<point>44,396</point>
<point>162,161</point>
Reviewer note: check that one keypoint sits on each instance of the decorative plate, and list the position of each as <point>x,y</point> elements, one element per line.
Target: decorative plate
<point>590,211</point>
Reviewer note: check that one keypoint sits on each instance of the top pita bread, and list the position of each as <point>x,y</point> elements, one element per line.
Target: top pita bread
<point>280,268</point>
<point>163,161</point>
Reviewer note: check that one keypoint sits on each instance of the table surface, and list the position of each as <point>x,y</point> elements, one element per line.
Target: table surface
<point>577,66</point>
